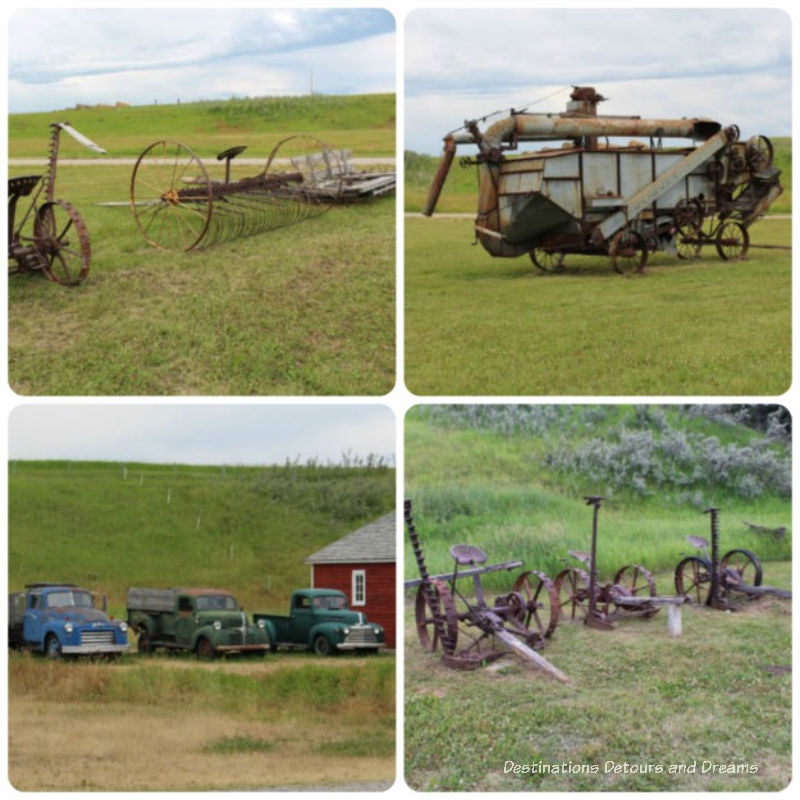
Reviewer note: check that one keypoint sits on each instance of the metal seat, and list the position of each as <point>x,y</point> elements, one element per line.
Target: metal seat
<point>22,185</point>
<point>581,555</point>
<point>467,554</point>
<point>698,541</point>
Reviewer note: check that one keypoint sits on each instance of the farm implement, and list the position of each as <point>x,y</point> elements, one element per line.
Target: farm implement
<point>178,206</point>
<point>470,632</point>
<point>622,201</point>
<point>632,592</point>
<point>51,236</point>
<point>711,580</point>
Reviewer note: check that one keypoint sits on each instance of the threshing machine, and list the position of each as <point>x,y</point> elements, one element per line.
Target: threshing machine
<point>592,195</point>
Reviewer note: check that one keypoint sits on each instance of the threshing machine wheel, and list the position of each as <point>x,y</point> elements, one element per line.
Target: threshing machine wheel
<point>759,153</point>
<point>61,238</point>
<point>628,252</point>
<point>443,613</point>
<point>541,603</point>
<point>171,196</point>
<point>547,260</point>
<point>732,241</point>
<point>740,566</point>
<point>636,581</point>
<point>572,588</point>
<point>693,579</point>
<point>689,228</point>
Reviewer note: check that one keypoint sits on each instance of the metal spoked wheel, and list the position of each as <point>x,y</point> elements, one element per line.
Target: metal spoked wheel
<point>732,241</point>
<point>61,239</point>
<point>689,228</point>
<point>572,588</point>
<point>171,196</point>
<point>547,260</point>
<point>540,602</point>
<point>693,579</point>
<point>429,619</point>
<point>740,566</point>
<point>759,153</point>
<point>315,173</point>
<point>636,581</point>
<point>628,252</point>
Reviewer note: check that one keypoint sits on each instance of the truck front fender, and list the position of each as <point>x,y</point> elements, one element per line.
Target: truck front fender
<point>330,630</point>
<point>139,621</point>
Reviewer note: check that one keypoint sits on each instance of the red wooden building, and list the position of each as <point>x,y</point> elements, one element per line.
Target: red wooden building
<point>363,566</point>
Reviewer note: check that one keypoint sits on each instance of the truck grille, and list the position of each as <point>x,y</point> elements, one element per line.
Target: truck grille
<point>363,635</point>
<point>97,637</point>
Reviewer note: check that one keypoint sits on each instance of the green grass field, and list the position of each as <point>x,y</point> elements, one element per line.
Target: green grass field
<point>305,309</point>
<point>476,325</point>
<point>111,526</point>
<point>497,477</point>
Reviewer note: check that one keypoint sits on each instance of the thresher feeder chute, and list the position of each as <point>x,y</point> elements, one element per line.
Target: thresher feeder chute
<point>589,195</point>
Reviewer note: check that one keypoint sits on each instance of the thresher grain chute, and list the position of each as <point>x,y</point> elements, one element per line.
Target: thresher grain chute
<point>591,196</point>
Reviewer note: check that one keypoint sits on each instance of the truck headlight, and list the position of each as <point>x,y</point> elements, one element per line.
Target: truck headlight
<point>261,624</point>
<point>376,630</point>
<point>346,630</point>
<point>217,625</point>
<point>123,626</point>
<point>68,627</point>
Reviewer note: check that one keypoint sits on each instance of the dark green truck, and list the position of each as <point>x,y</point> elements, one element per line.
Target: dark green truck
<point>204,621</point>
<point>319,620</point>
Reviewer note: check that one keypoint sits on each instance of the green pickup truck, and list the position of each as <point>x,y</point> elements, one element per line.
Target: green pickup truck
<point>204,621</point>
<point>319,620</point>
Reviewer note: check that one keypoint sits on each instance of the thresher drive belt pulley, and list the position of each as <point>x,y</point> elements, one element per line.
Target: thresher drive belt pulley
<point>623,201</point>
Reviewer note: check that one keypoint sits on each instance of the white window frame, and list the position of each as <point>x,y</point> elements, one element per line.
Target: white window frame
<point>359,577</point>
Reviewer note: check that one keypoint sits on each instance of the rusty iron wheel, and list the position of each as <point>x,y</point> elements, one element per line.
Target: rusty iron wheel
<point>437,622</point>
<point>572,589</point>
<point>547,260</point>
<point>541,603</point>
<point>732,241</point>
<point>636,581</point>
<point>759,153</point>
<point>693,579</point>
<point>61,238</point>
<point>688,217</point>
<point>740,566</point>
<point>627,252</point>
<point>171,196</point>
<point>321,170</point>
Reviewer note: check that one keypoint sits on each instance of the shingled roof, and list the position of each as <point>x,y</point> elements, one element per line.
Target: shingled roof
<point>375,543</point>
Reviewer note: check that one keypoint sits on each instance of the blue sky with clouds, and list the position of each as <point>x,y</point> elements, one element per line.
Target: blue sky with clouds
<point>201,434</point>
<point>733,65</point>
<point>62,57</point>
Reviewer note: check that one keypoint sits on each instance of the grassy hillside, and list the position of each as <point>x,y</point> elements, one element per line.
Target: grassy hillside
<point>460,191</point>
<point>362,123</point>
<point>110,526</point>
<point>512,480</point>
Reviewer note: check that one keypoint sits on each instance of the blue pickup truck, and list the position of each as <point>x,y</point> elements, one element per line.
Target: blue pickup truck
<point>63,619</point>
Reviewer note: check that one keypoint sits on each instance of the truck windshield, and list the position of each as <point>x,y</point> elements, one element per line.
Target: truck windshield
<point>217,602</point>
<point>333,602</point>
<point>69,598</point>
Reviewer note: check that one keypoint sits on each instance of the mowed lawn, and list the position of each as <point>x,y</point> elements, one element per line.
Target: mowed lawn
<point>476,325</point>
<point>305,309</point>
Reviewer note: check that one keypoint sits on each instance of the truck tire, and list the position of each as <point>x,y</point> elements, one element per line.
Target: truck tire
<point>143,643</point>
<point>205,650</point>
<point>52,647</point>
<point>322,647</point>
